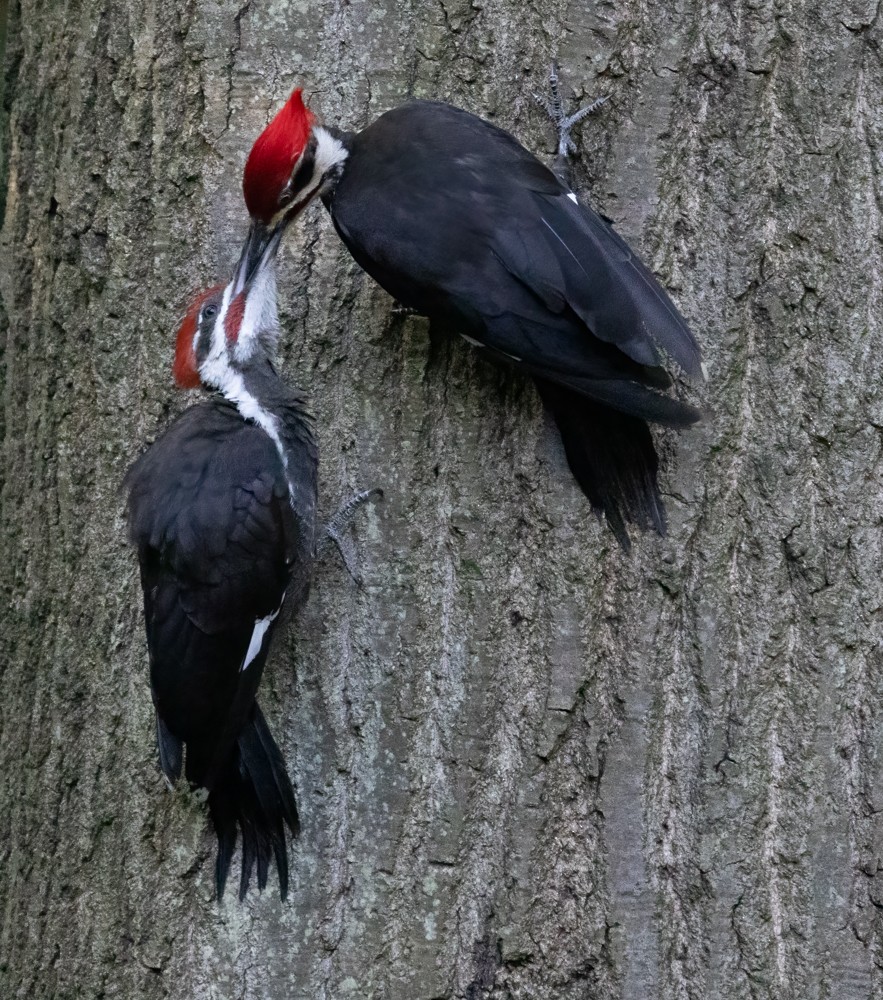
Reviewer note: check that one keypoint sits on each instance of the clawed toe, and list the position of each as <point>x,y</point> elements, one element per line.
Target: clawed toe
<point>564,123</point>
<point>339,522</point>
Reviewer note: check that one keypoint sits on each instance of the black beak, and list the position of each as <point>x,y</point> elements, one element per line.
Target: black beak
<point>258,250</point>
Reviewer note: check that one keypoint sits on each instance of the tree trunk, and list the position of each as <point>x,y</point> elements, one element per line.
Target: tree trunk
<point>528,765</point>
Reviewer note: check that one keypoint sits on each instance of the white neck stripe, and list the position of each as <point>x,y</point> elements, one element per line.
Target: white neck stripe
<point>329,151</point>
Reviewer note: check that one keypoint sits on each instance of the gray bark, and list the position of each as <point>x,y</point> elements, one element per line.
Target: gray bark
<point>528,765</point>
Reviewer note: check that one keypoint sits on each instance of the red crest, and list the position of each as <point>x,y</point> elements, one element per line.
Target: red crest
<point>272,157</point>
<point>184,368</point>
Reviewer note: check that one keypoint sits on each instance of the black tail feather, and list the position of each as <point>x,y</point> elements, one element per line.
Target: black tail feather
<point>224,821</point>
<point>251,853</point>
<point>613,459</point>
<point>280,776</point>
<point>254,793</point>
<point>263,863</point>
<point>280,851</point>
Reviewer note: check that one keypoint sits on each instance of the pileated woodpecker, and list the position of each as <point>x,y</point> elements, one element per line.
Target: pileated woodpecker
<point>222,511</point>
<point>453,217</point>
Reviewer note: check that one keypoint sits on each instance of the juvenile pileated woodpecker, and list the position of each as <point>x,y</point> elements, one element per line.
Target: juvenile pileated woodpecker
<point>222,511</point>
<point>453,217</point>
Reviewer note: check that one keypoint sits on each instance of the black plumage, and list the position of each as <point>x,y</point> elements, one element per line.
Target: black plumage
<point>458,221</point>
<point>221,511</point>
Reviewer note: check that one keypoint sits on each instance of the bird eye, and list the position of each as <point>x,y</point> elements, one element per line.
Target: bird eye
<point>209,312</point>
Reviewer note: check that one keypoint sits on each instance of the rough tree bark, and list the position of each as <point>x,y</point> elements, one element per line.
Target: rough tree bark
<point>528,765</point>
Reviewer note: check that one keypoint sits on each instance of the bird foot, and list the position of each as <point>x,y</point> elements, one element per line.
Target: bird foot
<point>338,523</point>
<point>564,123</point>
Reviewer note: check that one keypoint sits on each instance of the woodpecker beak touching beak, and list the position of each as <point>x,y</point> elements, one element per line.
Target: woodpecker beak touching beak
<point>250,298</point>
<point>261,238</point>
<point>261,247</point>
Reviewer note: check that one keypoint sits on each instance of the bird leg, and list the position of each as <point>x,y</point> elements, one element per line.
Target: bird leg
<point>338,523</point>
<point>564,123</point>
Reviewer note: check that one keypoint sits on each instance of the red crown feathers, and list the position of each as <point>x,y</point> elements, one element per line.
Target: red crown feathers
<point>272,157</point>
<point>185,368</point>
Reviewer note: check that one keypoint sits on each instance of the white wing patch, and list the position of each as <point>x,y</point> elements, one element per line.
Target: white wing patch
<point>257,636</point>
<point>572,197</point>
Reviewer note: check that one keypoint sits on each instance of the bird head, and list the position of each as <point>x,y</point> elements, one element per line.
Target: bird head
<point>280,164</point>
<point>195,335</point>
<point>226,327</point>
<point>291,163</point>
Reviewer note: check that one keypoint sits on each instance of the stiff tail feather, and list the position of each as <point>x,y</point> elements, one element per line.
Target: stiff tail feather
<point>254,795</point>
<point>612,457</point>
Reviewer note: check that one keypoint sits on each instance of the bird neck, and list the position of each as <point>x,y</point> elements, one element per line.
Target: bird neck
<point>282,412</point>
<point>332,153</point>
<point>263,397</point>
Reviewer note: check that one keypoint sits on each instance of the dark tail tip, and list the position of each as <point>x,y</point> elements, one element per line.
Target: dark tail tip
<point>255,796</point>
<point>613,459</point>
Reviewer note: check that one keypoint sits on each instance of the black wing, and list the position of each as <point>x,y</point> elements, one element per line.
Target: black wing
<point>210,517</point>
<point>453,216</point>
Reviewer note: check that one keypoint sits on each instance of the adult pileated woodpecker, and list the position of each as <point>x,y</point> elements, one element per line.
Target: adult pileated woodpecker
<point>222,510</point>
<point>453,217</point>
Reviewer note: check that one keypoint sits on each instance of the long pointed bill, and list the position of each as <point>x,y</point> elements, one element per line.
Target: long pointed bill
<point>250,298</point>
<point>255,252</point>
<point>266,257</point>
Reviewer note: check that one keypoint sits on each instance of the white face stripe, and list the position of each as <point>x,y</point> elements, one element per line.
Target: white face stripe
<point>257,636</point>
<point>330,152</point>
<point>213,370</point>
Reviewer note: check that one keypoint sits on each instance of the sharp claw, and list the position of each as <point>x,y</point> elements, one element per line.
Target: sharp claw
<point>586,111</point>
<point>553,77</point>
<point>335,527</point>
<point>563,123</point>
